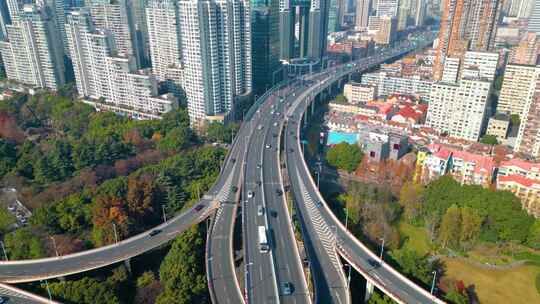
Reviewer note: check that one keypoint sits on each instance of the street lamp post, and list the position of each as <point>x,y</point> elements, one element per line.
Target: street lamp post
<point>4,250</point>
<point>433,282</point>
<point>48,291</point>
<point>349,276</point>
<point>382,249</point>
<point>54,244</point>
<point>115,234</point>
<point>164,214</point>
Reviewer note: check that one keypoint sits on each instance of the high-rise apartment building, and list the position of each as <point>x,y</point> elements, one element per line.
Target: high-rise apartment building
<point>387,30</point>
<point>59,10</point>
<point>363,8</point>
<point>528,139</point>
<point>404,10</point>
<point>32,53</point>
<point>527,50</point>
<point>520,8</point>
<point>164,38</point>
<point>108,79</point>
<point>419,12</point>
<point>484,62</point>
<point>216,55</point>
<point>387,8</point>
<point>459,109</point>
<point>141,31</point>
<point>517,90</point>
<point>466,25</point>
<point>452,66</point>
<point>116,15</point>
<point>4,20</point>
<point>534,18</point>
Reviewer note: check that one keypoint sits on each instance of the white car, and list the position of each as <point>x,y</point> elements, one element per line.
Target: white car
<point>268,146</point>
<point>250,194</point>
<point>260,210</point>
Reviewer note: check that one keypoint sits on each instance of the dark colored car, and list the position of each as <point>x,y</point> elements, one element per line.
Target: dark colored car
<point>234,189</point>
<point>259,183</point>
<point>154,232</point>
<point>319,204</point>
<point>291,150</point>
<point>233,160</point>
<point>279,192</point>
<point>287,288</point>
<point>4,300</point>
<point>198,207</point>
<point>373,263</point>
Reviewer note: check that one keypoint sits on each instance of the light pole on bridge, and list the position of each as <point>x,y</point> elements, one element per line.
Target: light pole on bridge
<point>164,214</point>
<point>434,272</point>
<point>54,245</point>
<point>382,249</point>
<point>4,250</point>
<point>115,234</point>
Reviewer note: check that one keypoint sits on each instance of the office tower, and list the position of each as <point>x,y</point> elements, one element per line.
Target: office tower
<point>517,90</point>
<point>32,54</point>
<point>534,18</point>
<point>520,8</point>
<point>286,30</point>
<point>387,8</point>
<point>333,15</point>
<point>163,34</point>
<point>419,13</point>
<point>116,15</point>
<point>527,50</point>
<point>216,55</point>
<point>459,110</point>
<point>466,25</point>
<point>362,13</point>
<point>107,80</point>
<point>265,37</point>
<point>528,139</point>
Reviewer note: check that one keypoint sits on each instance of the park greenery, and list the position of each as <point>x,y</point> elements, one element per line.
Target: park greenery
<point>489,140</point>
<point>344,156</point>
<point>456,218</point>
<point>86,173</point>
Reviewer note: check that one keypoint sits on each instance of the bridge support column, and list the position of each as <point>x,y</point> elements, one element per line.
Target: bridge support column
<point>127,263</point>
<point>312,106</point>
<point>369,290</point>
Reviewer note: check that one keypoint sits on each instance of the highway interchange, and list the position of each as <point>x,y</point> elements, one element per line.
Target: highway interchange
<point>253,164</point>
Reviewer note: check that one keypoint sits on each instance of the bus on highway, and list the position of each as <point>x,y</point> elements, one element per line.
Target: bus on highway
<point>263,240</point>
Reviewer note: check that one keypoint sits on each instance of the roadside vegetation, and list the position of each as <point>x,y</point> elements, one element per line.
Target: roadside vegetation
<point>85,174</point>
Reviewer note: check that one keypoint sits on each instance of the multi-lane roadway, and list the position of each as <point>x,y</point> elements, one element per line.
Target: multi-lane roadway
<point>252,175</point>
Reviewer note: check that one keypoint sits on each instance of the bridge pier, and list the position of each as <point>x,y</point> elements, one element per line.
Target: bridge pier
<point>127,263</point>
<point>369,290</point>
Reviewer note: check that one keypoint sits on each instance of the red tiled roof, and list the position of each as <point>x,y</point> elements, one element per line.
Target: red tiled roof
<point>516,178</point>
<point>520,163</point>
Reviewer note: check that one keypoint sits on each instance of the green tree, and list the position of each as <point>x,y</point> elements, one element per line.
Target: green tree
<point>176,139</point>
<point>489,140</point>
<point>23,244</point>
<point>182,271</point>
<point>533,239</point>
<point>471,222</point>
<point>415,265</point>
<point>514,120</point>
<point>218,132</point>
<point>344,156</point>
<point>378,298</point>
<point>455,297</point>
<point>84,291</point>
<point>450,230</point>
<point>6,220</point>
<point>8,156</point>
<point>410,198</point>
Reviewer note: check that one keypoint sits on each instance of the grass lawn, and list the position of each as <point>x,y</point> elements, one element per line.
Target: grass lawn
<point>415,238</point>
<point>497,286</point>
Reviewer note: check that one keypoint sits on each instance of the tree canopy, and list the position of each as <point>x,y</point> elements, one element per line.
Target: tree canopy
<point>344,156</point>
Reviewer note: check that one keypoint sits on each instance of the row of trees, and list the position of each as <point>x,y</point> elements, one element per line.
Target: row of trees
<point>344,156</point>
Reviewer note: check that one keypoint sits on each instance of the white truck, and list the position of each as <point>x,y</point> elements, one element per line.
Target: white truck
<point>263,240</point>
